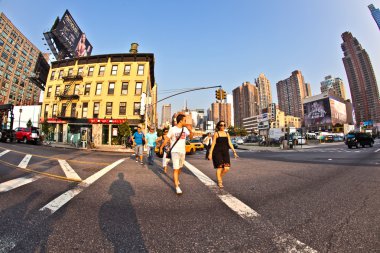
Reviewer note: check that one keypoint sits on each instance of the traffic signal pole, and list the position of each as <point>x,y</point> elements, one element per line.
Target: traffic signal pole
<point>179,93</point>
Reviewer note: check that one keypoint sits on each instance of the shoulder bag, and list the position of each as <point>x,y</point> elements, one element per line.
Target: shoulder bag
<point>169,152</point>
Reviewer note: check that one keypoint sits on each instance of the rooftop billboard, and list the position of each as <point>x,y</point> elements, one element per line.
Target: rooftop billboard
<point>326,111</point>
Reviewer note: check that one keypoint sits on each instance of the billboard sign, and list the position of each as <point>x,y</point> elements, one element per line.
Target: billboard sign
<point>338,112</point>
<point>68,33</point>
<point>317,112</point>
<point>263,117</point>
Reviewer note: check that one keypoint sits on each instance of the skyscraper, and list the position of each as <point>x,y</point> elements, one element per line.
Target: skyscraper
<point>335,85</point>
<point>166,114</point>
<point>246,99</point>
<point>221,111</point>
<point>307,90</point>
<point>375,14</point>
<point>291,93</point>
<point>265,95</point>
<point>23,68</point>
<point>362,80</point>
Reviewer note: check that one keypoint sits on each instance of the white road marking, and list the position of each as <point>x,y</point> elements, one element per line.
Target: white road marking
<point>60,201</point>
<point>69,172</point>
<point>377,150</point>
<point>24,163</point>
<point>15,183</point>
<point>4,152</point>
<point>285,242</point>
<point>330,159</point>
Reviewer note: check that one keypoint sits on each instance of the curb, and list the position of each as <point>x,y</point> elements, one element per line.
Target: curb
<point>95,150</point>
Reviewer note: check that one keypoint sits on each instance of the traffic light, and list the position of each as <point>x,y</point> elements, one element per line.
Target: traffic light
<point>224,94</point>
<point>217,94</point>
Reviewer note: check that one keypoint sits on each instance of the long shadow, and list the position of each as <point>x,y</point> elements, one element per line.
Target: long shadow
<point>118,219</point>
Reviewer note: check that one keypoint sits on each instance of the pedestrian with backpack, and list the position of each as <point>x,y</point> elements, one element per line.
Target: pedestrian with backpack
<point>138,142</point>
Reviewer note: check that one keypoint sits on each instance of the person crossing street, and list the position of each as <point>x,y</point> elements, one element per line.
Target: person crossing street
<point>151,138</point>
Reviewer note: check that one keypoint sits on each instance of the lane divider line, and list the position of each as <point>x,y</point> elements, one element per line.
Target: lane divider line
<point>283,241</point>
<point>377,150</point>
<point>50,158</point>
<point>61,200</point>
<point>69,172</point>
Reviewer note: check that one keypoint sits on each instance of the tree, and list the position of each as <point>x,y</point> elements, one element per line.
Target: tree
<point>29,124</point>
<point>231,131</point>
<point>124,129</point>
<point>243,132</point>
<point>45,127</point>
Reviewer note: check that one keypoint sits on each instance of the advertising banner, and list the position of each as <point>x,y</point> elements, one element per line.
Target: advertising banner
<point>317,112</point>
<point>338,112</point>
<point>70,35</point>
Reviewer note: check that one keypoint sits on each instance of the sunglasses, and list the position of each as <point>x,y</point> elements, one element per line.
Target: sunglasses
<point>222,125</point>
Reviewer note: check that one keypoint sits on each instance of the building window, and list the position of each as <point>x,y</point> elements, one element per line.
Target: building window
<point>87,89</point>
<point>46,112</point>
<point>73,110</point>
<point>80,71</point>
<point>57,90</point>
<point>140,70</point>
<point>54,110</point>
<point>52,75</point>
<point>138,88</point>
<point>67,89</point>
<point>109,108</point>
<point>124,88</point>
<point>111,88</point>
<point>101,70</point>
<point>60,74</point>
<point>90,71</point>
<point>123,108</point>
<point>84,110</point>
<point>98,89</point>
<point>76,89</point>
<point>96,109</point>
<point>114,70</point>
<point>127,70</point>
<point>63,111</point>
<point>136,108</point>
<point>70,72</point>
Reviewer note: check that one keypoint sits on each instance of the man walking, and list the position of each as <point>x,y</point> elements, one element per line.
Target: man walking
<point>207,144</point>
<point>138,138</point>
<point>177,136</point>
<point>151,138</point>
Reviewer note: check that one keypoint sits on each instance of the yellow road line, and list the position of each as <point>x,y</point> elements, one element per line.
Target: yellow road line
<point>53,158</point>
<point>42,173</point>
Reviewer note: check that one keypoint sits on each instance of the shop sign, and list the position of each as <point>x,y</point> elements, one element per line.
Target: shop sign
<point>107,121</point>
<point>56,121</point>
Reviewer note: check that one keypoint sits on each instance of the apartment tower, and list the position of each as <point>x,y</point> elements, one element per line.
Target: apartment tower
<point>362,80</point>
<point>291,93</point>
<point>334,85</point>
<point>166,114</point>
<point>265,95</point>
<point>221,111</point>
<point>246,102</point>
<point>375,14</point>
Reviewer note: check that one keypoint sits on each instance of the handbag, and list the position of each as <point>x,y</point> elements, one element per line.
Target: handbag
<point>169,152</point>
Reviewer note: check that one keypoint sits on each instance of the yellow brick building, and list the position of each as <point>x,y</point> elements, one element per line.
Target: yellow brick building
<point>87,98</point>
<point>285,121</point>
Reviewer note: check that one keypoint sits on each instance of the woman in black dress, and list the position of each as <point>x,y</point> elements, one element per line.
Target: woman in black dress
<point>219,152</point>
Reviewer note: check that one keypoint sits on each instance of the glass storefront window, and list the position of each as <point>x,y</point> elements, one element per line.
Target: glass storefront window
<point>105,134</point>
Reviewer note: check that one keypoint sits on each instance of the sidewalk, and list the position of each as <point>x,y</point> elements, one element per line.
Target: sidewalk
<point>256,147</point>
<point>114,148</point>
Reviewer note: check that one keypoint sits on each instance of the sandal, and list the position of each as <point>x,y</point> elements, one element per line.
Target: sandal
<point>220,184</point>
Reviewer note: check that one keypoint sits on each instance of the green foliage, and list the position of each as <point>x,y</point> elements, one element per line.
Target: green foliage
<point>124,129</point>
<point>29,124</point>
<point>45,127</point>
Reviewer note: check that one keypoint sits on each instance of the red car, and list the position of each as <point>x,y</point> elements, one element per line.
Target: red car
<point>27,134</point>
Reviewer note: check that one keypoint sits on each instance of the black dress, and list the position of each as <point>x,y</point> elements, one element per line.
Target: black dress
<point>220,154</point>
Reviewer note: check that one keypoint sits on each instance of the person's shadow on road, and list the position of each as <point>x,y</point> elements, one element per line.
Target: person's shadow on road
<point>118,219</point>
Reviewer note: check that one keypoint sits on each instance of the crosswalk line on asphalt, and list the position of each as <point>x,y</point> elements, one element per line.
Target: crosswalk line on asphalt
<point>68,170</point>
<point>282,240</point>
<point>24,163</point>
<point>4,152</point>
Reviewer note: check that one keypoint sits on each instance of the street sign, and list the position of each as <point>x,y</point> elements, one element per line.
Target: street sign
<point>262,117</point>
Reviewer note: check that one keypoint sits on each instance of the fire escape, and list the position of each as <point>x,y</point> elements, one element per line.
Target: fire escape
<point>69,95</point>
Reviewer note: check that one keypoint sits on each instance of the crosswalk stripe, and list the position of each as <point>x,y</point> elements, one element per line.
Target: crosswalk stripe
<point>24,163</point>
<point>69,172</point>
<point>4,152</point>
<point>15,183</point>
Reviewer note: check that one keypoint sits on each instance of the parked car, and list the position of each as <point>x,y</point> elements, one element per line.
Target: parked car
<point>233,141</point>
<point>356,139</point>
<point>27,134</point>
<point>239,141</point>
<point>198,144</point>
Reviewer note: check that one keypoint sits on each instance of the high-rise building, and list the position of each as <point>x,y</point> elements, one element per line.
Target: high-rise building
<point>375,14</point>
<point>166,115</point>
<point>23,68</point>
<point>362,80</point>
<point>230,100</point>
<point>265,95</point>
<point>334,86</point>
<point>307,90</point>
<point>246,102</point>
<point>221,111</point>
<point>291,93</point>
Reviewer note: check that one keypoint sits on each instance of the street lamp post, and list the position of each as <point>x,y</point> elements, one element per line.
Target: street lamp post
<point>19,117</point>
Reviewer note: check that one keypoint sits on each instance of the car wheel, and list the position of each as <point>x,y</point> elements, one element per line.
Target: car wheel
<point>349,146</point>
<point>24,140</point>
<point>370,144</point>
<point>192,152</point>
<point>357,146</point>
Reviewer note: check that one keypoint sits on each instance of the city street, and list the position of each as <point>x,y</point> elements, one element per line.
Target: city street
<point>322,199</point>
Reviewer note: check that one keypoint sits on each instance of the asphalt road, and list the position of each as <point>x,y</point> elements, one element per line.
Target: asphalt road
<point>313,200</point>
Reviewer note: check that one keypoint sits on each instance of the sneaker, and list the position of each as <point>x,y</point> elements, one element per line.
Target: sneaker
<point>142,163</point>
<point>178,190</point>
<point>137,161</point>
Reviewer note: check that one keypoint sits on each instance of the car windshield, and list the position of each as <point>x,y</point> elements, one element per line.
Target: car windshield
<point>194,141</point>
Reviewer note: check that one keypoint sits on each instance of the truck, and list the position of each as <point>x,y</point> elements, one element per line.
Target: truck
<point>6,130</point>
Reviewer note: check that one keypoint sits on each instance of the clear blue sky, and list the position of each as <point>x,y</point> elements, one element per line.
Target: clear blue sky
<point>215,42</point>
